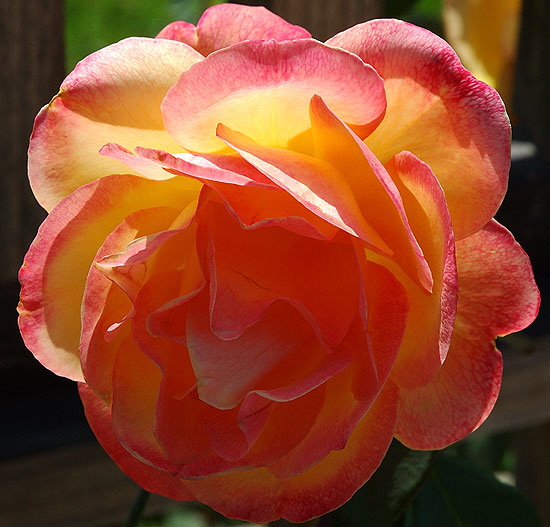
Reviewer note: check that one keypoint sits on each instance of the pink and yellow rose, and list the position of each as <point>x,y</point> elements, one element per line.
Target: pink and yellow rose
<point>267,256</point>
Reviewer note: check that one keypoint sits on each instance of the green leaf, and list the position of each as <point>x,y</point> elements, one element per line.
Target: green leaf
<point>459,494</point>
<point>387,494</point>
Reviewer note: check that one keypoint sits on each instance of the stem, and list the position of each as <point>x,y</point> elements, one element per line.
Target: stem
<point>137,508</point>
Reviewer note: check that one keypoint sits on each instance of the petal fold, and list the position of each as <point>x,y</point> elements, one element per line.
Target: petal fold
<point>247,193</point>
<point>261,497</point>
<point>316,184</point>
<point>106,307</point>
<point>431,314</point>
<point>227,370</point>
<point>371,186</point>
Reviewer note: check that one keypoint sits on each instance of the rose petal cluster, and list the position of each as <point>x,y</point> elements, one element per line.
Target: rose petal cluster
<point>266,256</point>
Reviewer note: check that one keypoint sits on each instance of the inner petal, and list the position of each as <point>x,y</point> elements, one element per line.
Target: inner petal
<point>250,269</point>
<point>227,370</point>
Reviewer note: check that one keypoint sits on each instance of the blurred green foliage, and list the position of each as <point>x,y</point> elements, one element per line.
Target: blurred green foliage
<point>94,24</point>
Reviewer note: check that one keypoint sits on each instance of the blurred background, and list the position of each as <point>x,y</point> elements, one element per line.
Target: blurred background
<point>54,473</point>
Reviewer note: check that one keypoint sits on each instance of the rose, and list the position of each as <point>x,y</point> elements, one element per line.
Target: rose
<point>262,265</point>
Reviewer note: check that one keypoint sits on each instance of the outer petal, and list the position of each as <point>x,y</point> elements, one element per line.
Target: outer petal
<point>273,82</point>
<point>54,272</point>
<point>438,111</point>
<point>223,25</point>
<point>150,478</point>
<point>260,497</point>
<point>257,495</point>
<point>509,299</point>
<point>114,95</point>
<point>497,295</point>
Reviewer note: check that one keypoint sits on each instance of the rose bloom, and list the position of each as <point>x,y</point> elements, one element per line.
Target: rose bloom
<point>267,256</point>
